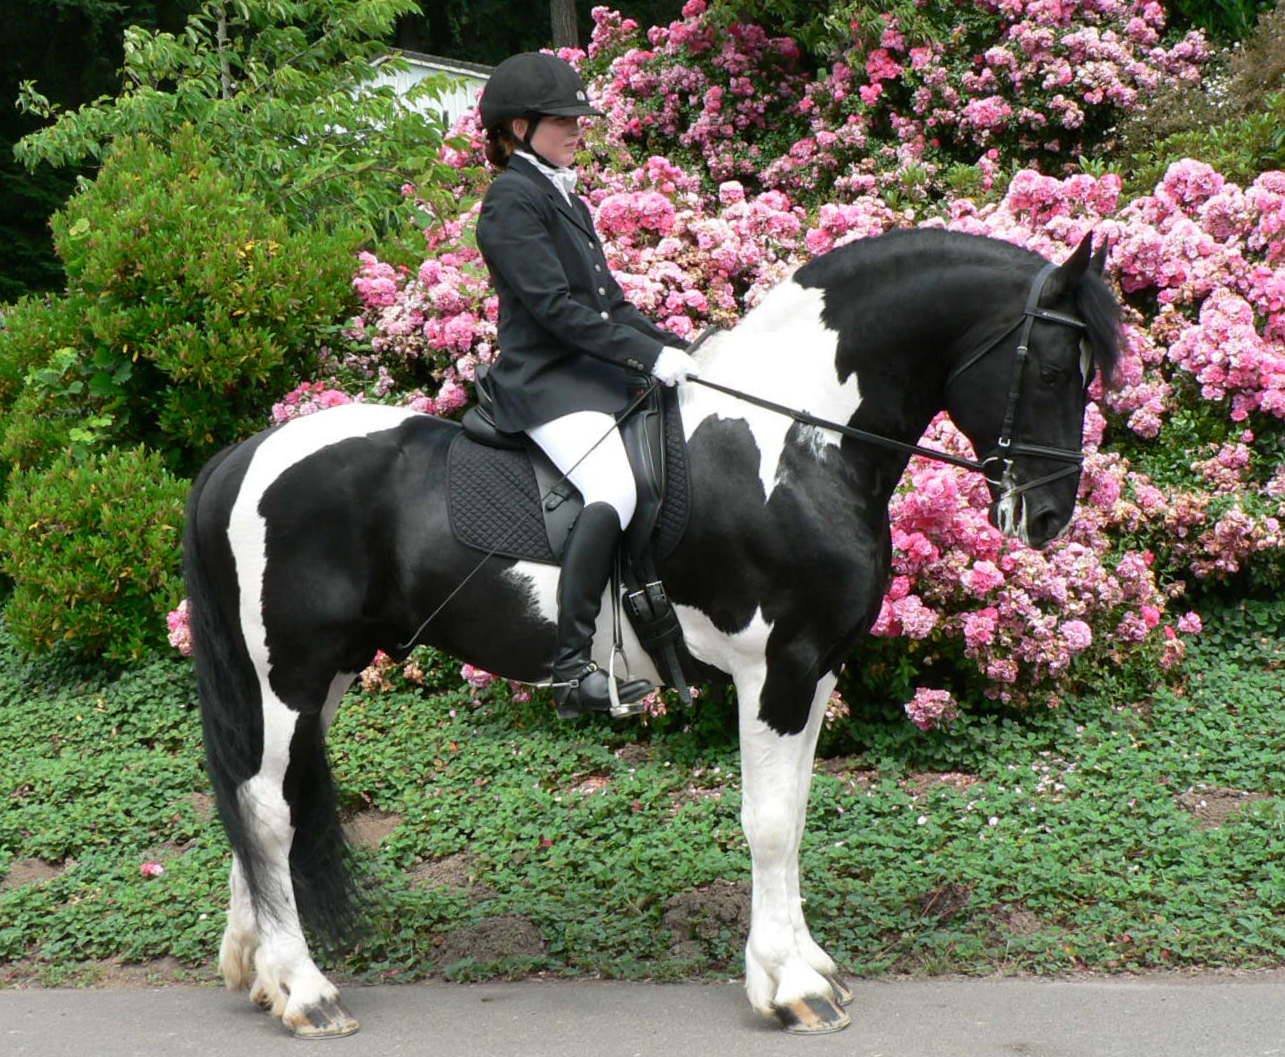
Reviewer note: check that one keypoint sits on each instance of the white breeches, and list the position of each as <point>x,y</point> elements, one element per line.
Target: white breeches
<point>604,475</point>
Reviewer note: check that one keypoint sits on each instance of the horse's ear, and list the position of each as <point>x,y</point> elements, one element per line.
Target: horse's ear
<point>1098,263</point>
<point>1074,267</point>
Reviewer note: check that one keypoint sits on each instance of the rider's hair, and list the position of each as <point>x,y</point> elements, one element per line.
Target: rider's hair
<point>501,143</point>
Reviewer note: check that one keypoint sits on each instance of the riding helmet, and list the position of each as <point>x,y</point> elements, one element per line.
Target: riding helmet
<point>533,82</point>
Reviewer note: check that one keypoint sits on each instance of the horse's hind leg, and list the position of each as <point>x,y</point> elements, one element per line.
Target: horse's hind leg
<point>279,818</point>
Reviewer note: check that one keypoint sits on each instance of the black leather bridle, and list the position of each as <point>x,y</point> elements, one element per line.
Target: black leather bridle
<point>1006,449</point>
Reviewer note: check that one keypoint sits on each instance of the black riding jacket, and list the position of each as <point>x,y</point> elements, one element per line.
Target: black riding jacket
<point>569,338</point>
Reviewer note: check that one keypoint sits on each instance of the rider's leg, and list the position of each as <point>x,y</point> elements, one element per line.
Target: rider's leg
<point>605,479</point>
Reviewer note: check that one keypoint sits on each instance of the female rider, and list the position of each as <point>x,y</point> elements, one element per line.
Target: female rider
<point>569,340</point>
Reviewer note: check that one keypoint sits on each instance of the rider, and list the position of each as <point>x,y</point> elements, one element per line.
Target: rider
<point>569,339</point>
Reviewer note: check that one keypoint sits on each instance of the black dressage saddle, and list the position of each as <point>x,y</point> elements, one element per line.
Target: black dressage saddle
<point>506,497</point>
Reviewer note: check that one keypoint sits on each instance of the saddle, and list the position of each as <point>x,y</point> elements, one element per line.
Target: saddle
<point>506,497</point>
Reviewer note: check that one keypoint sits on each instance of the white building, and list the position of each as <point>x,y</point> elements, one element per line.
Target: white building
<point>465,81</point>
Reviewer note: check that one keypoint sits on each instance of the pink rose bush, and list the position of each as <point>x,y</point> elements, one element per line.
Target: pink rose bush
<point>1026,80</point>
<point>723,165</point>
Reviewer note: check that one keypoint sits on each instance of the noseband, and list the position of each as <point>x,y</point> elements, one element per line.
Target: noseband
<point>1006,449</point>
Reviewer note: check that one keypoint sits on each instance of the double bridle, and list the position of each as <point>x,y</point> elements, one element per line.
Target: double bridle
<point>1006,449</point>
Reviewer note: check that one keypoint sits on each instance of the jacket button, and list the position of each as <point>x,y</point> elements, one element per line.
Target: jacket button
<point>597,267</point>
<point>604,315</point>
<point>602,291</point>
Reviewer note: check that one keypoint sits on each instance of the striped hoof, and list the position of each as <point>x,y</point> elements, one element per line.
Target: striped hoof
<point>842,992</point>
<point>812,1015</point>
<point>325,1020</point>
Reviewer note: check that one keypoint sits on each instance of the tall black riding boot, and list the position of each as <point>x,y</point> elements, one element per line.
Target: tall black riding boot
<point>586,568</point>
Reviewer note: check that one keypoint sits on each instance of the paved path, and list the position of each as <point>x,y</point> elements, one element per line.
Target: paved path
<point>1154,1017</point>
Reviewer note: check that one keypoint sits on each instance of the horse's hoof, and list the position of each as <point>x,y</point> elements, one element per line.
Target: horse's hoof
<point>812,1015</point>
<point>842,992</point>
<point>325,1020</point>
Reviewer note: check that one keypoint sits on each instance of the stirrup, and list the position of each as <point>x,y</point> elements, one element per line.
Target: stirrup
<point>616,705</point>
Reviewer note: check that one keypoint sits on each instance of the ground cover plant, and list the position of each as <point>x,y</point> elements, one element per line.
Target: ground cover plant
<point>1134,828</point>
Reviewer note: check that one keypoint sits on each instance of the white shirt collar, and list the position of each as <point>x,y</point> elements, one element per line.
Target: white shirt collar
<point>563,179</point>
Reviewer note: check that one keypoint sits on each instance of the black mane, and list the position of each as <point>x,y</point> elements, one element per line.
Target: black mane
<point>1095,303</point>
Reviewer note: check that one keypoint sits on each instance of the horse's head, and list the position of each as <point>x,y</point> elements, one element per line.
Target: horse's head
<point>1019,391</point>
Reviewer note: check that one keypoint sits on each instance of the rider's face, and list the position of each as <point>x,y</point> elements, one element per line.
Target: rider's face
<point>556,138</point>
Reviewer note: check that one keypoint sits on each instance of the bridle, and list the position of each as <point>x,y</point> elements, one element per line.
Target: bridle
<point>1005,449</point>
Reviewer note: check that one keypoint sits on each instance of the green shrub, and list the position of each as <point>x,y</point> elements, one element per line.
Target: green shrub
<point>93,547</point>
<point>199,307</point>
<point>1234,119</point>
<point>30,330</point>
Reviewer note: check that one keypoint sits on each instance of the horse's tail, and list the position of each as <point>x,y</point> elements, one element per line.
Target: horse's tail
<point>226,683</point>
<point>324,890</point>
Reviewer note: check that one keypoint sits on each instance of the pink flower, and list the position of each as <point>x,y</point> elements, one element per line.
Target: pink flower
<point>476,677</point>
<point>1189,624</point>
<point>982,577</point>
<point>180,631</point>
<point>1077,635</point>
<point>979,628</point>
<point>930,709</point>
<point>151,869</point>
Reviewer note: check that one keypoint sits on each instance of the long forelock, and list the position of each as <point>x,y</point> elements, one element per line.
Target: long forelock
<point>1098,307</point>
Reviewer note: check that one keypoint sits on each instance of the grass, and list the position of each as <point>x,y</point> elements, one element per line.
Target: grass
<point>1042,843</point>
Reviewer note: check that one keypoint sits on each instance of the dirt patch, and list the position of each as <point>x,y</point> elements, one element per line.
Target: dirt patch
<point>455,871</point>
<point>702,918</point>
<point>922,781</point>
<point>203,805</point>
<point>634,754</point>
<point>1016,921</point>
<point>1213,807</point>
<point>115,974</point>
<point>491,940</point>
<point>29,872</point>
<point>848,768</point>
<point>590,784</point>
<point>944,902</point>
<point>369,828</point>
<point>105,973</point>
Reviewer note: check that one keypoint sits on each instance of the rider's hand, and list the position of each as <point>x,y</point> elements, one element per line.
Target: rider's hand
<point>674,366</point>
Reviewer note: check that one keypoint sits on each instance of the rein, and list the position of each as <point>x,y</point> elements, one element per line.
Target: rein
<point>1005,449</point>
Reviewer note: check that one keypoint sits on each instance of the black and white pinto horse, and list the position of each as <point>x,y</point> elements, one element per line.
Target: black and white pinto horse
<point>311,545</point>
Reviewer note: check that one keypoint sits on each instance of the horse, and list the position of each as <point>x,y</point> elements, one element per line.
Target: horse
<point>312,545</point>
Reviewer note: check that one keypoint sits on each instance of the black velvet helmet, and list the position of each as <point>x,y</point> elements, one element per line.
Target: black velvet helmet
<point>533,83</point>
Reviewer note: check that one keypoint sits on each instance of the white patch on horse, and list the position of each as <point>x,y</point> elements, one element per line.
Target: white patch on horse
<point>247,530</point>
<point>728,652</point>
<point>540,582</point>
<point>783,352</point>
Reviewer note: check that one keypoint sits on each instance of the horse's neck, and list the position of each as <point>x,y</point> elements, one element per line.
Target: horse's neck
<point>781,351</point>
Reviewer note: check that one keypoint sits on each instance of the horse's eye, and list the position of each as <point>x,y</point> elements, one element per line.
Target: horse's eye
<point>1051,372</point>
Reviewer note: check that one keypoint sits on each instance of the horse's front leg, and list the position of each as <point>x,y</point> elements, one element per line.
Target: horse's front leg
<point>787,976</point>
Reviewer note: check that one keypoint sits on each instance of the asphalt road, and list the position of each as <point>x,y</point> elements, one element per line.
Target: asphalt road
<point>1242,1016</point>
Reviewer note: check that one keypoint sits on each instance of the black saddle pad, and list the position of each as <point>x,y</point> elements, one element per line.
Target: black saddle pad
<point>494,501</point>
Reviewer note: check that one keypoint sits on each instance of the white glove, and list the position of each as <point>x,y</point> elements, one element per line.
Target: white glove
<point>673,365</point>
